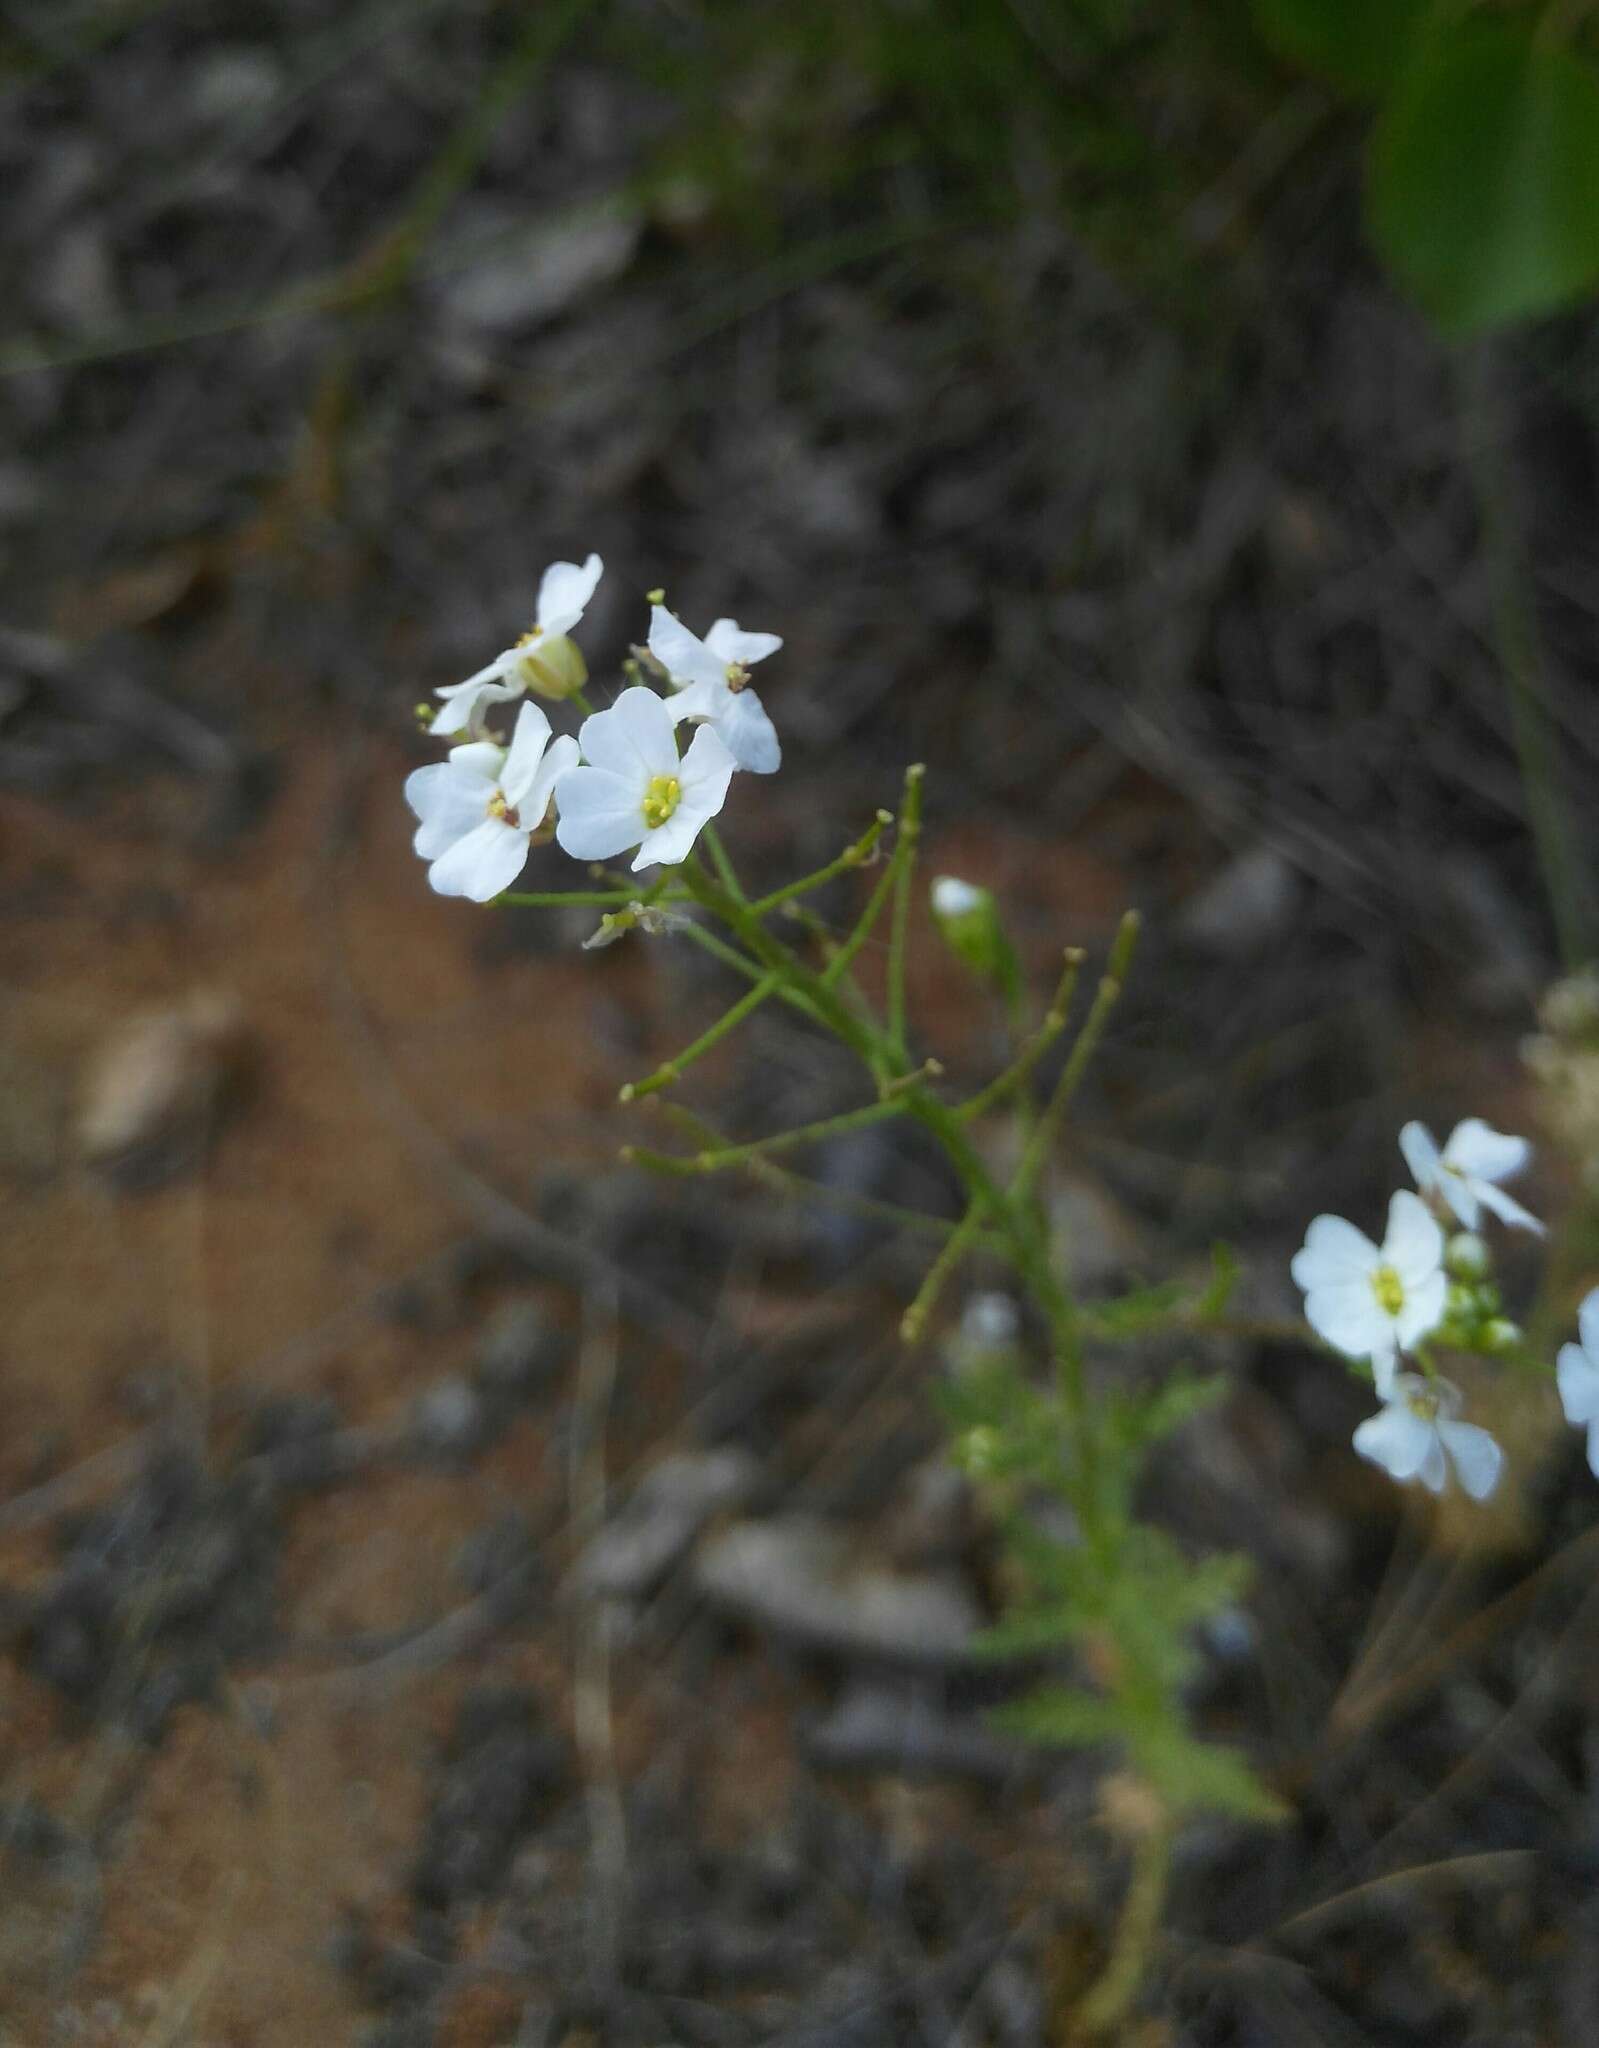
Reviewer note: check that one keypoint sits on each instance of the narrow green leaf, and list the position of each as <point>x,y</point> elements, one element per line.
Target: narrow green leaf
<point>1060,1714</point>
<point>1362,45</point>
<point>1483,180</point>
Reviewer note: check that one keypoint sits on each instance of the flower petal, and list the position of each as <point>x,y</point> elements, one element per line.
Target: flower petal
<point>528,741</point>
<point>461,700</point>
<point>1577,1378</point>
<point>1434,1473</point>
<point>533,806</point>
<point>1414,1244</point>
<point>1397,1440</point>
<point>728,642</point>
<point>1423,1308</point>
<point>1420,1148</point>
<point>1346,1315</point>
<point>632,739</point>
<point>564,592</point>
<point>479,866</point>
<point>600,813</point>
<point>1333,1250</point>
<point>1588,1323</point>
<point>1478,1459</point>
<point>749,735</point>
<point>1593,1449</point>
<point>685,658</point>
<point>1486,1154</point>
<point>449,805</point>
<point>1506,1207</point>
<point>706,771</point>
<point>1461,1196</point>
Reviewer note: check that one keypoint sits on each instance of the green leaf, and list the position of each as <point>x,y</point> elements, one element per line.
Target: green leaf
<point>1224,1275</point>
<point>1483,180</point>
<point>1200,1777</point>
<point>1362,45</point>
<point>1061,1714</point>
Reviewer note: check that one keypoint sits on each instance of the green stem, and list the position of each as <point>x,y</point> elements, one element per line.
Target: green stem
<point>1111,1998</point>
<point>715,1160</point>
<point>672,1069</point>
<point>549,899</point>
<point>1033,1050</point>
<point>906,848</point>
<point>783,1180</point>
<point>1087,1041</point>
<point>854,856</point>
<point>723,865</point>
<point>915,1319</point>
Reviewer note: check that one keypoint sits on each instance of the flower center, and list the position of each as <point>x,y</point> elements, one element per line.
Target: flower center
<point>737,676</point>
<point>1389,1290</point>
<point>1424,1403</point>
<point>661,799</point>
<point>506,813</point>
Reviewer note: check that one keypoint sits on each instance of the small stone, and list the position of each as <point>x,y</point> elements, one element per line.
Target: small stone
<point>448,1421</point>
<point>795,1576</point>
<point>1243,909</point>
<point>669,1507</point>
<point>908,1730</point>
<point>932,1517</point>
<point>1097,1240</point>
<point>531,277</point>
<point>157,1089</point>
<point>521,1354</point>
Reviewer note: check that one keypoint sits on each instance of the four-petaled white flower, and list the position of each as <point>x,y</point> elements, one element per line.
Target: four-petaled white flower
<point>711,678</point>
<point>543,659</point>
<point>1464,1173</point>
<point>1577,1376</point>
<point>1416,1435</point>
<point>634,791</point>
<point>480,807</point>
<point>1369,1302</point>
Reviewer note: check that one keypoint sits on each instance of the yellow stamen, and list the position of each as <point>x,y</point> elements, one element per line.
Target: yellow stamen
<point>499,808</point>
<point>1389,1290</point>
<point>737,676</point>
<point>661,799</point>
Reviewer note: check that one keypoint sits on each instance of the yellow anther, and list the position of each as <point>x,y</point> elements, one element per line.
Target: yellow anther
<point>505,812</point>
<point>1389,1290</point>
<point>737,676</point>
<point>661,799</point>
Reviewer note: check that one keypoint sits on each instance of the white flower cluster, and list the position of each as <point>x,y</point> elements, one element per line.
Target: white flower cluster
<point>1377,1302</point>
<point>620,784</point>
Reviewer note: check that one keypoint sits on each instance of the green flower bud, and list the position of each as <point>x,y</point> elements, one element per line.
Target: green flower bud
<point>968,918</point>
<point>1500,1334</point>
<point>1467,1257</point>
<point>554,667</point>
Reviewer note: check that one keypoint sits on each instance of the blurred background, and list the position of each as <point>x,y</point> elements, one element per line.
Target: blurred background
<point>446,1581</point>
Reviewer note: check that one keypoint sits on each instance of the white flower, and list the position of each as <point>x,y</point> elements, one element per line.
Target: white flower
<point>1371,1303</point>
<point>543,659</point>
<point>480,807</point>
<point>711,677</point>
<point>952,897</point>
<point>1465,1171</point>
<point>1416,1436</point>
<point>1577,1376</point>
<point>634,790</point>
